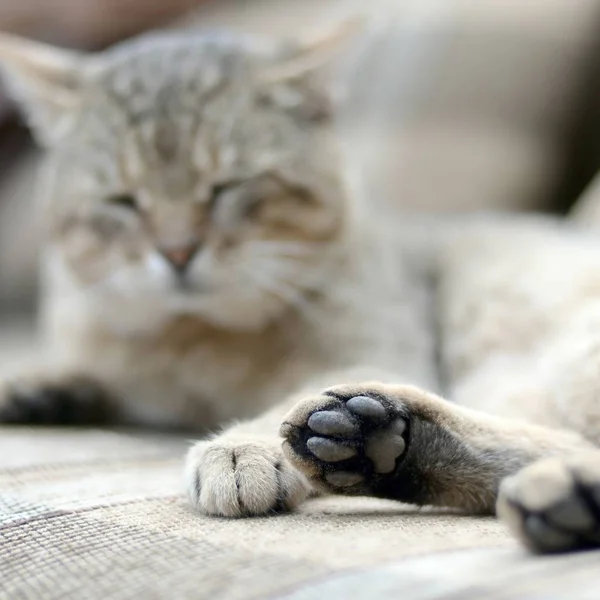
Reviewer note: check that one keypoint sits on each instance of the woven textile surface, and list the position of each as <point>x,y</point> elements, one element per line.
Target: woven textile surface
<point>100,514</point>
<point>90,514</point>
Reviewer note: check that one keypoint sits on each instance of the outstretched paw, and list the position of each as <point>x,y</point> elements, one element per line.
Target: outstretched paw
<point>554,504</point>
<point>240,478</point>
<point>68,400</point>
<point>349,440</point>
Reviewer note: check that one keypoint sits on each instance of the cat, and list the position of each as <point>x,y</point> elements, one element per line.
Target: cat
<point>208,265</point>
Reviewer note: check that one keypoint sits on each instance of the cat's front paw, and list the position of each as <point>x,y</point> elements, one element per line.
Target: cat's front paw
<point>349,440</point>
<point>54,400</point>
<point>238,478</point>
<point>554,504</point>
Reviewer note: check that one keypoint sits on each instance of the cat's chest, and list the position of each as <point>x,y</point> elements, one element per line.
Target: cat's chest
<point>192,376</point>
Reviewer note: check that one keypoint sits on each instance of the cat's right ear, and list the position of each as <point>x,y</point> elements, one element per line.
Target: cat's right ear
<point>300,78</point>
<point>46,81</point>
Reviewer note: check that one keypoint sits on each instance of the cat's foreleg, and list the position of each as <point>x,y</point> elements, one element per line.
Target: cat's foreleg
<point>243,471</point>
<point>55,398</point>
<point>402,443</point>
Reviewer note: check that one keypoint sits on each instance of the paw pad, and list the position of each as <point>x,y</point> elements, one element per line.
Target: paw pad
<point>329,450</point>
<point>329,422</point>
<point>349,441</point>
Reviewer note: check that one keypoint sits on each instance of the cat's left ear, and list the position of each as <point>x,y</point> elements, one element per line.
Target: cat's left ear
<point>46,81</point>
<point>302,79</point>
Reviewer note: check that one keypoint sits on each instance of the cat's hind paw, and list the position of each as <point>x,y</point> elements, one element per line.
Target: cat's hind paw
<point>554,504</point>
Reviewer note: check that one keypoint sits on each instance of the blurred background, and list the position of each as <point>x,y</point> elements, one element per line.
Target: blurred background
<point>452,104</point>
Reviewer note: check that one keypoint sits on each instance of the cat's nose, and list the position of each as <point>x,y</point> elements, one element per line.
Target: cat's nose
<point>180,256</point>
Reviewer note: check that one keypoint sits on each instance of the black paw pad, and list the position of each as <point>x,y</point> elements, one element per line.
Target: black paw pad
<point>353,442</point>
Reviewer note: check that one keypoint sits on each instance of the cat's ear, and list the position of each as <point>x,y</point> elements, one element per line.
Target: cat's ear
<point>45,81</point>
<point>302,78</point>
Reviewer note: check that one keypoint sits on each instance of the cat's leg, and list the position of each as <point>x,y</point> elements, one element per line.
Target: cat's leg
<point>403,443</point>
<point>55,399</point>
<point>243,471</point>
<point>554,504</point>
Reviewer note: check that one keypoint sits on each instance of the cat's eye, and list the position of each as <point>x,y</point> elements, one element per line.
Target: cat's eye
<point>250,206</point>
<point>244,203</point>
<point>220,188</point>
<point>217,192</point>
<point>127,201</point>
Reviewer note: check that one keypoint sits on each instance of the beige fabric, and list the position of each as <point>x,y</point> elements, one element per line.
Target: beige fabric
<point>493,574</point>
<point>100,514</point>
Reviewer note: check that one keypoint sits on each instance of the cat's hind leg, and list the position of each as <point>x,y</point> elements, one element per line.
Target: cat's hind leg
<point>402,443</point>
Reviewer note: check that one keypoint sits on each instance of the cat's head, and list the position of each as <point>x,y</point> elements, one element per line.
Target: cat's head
<point>191,172</point>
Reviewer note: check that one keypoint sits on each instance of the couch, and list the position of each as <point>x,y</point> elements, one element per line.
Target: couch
<point>507,121</point>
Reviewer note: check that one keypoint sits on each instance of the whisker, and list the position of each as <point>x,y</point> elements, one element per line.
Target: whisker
<point>281,289</point>
<point>286,269</point>
<point>273,248</point>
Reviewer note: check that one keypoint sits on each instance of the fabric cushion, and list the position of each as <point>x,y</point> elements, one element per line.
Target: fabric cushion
<point>100,514</point>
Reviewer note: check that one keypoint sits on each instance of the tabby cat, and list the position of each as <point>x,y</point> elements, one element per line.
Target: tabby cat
<point>207,265</point>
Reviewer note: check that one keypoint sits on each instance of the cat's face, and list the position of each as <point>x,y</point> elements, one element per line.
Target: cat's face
<point>186,178</point>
